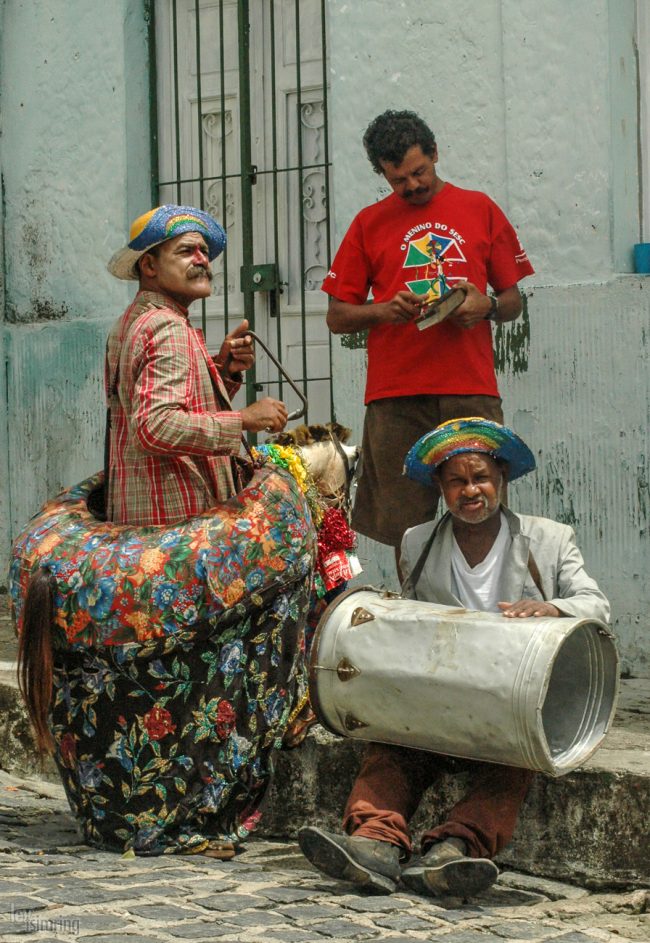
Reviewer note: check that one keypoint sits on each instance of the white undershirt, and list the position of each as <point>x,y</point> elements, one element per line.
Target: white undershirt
<point>478,587</point>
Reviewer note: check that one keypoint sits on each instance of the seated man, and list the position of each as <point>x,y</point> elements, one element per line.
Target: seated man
<point>484,557</point>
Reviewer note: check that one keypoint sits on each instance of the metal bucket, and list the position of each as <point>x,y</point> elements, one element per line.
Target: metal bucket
<point>536,693</point>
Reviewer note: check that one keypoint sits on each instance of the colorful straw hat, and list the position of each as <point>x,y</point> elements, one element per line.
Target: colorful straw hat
<point>160,224</point>
<point>471,434</point>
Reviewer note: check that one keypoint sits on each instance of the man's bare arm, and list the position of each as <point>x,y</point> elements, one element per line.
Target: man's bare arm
<point>345,318</point>
<point>477,305</point>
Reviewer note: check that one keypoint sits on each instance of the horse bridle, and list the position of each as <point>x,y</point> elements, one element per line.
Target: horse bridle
<point>341,498</point>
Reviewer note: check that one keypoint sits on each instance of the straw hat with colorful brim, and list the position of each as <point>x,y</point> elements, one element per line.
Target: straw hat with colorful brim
<point>159,225</point>
<point>471,434</point>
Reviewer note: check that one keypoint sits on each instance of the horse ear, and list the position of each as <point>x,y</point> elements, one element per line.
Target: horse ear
<point>342,433</point>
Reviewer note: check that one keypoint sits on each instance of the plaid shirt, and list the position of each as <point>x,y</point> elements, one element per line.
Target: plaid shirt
<point>171,441</point>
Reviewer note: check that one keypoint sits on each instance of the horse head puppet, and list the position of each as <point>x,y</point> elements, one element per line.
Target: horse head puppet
<point>330,460</point>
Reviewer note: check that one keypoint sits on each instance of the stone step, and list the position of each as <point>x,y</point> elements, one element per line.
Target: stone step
<point>590,827</point>
<point>17,753</point>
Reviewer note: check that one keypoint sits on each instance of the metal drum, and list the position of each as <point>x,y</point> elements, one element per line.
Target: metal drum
<point>536,693</point>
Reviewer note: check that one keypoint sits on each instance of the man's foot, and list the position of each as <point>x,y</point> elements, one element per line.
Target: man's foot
<point>370,865</point>
<point>445,870</point>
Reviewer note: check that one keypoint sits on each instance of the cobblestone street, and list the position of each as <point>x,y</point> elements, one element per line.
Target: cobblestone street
<point>54,888</point>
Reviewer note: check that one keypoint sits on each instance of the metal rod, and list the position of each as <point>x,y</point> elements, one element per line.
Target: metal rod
<point>297,413</point>
<point>301,229</point>
<point>224,192</point>
<point>311,379</point>
<point>199,103</point>
<point>259,172</point>
<point>274,298</point>
<point>199,118</point>
<point>177,118</point>
<point>328,224</point>
<point>150,14</point>
<point>243,31</point>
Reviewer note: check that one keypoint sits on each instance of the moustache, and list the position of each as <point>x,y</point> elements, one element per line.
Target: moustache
<point>479,497</point>
<point>198,271</point>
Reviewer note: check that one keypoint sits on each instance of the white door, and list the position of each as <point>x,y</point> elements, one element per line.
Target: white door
<point>199,119</point>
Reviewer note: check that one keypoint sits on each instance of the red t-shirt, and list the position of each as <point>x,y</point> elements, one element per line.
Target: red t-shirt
<point>392,246</point>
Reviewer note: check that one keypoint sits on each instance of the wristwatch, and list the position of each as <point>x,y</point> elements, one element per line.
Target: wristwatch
<point>494,309</point>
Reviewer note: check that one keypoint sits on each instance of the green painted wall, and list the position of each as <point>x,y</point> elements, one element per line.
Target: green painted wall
<point>74,157</point>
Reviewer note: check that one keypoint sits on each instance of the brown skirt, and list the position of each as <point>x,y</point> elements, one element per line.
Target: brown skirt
<point>387,503</point>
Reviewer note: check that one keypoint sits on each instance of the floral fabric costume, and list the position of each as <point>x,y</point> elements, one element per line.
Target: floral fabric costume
<point>179,657</point>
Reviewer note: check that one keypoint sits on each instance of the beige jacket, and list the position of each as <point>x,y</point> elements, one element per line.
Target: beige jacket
<point>565,582</point>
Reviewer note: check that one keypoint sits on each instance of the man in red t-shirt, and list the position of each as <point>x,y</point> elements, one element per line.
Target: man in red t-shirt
<point>425,238</point>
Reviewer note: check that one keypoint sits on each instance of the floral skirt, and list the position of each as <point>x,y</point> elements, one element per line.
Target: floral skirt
<point>166,747</point>
<point>179,658</point>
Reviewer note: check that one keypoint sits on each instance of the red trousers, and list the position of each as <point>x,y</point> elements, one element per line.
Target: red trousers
<point>392,781</point>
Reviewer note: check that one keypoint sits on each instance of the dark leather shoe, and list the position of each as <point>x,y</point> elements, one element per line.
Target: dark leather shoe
<point>445,870</point>
<point>371,865</point>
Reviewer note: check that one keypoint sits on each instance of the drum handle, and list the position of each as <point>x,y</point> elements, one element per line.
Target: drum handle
<point>297,413</point>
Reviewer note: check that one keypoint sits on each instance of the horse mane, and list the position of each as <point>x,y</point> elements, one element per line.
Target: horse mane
<point>35,661</point>
<point>309,435</point>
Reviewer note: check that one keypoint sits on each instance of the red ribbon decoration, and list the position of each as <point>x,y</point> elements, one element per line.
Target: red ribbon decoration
<point>334,534</point>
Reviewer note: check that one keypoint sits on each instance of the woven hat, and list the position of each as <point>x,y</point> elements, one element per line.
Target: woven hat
<point>159,225</point>
<point>471,434</point>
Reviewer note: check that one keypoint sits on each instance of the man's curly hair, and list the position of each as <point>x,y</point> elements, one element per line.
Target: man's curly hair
<point>390,135</point>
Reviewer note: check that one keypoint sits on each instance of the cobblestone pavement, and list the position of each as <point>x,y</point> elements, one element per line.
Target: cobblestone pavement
<point>52,888</point>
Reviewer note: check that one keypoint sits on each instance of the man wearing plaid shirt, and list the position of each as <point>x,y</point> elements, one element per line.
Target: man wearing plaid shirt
<point>173,432</point>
